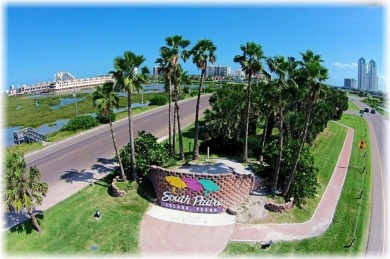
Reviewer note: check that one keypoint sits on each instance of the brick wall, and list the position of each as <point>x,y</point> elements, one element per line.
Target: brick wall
<point>234,188</point>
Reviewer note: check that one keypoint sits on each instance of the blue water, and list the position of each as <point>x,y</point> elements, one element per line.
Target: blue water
<point>44,129</point>
<point>66,101</point>
<point>7,133</point>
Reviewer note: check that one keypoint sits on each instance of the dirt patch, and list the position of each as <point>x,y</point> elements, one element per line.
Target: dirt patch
<point>252,210</point>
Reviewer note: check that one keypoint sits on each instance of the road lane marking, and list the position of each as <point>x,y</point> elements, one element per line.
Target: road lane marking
<point>383,189</point>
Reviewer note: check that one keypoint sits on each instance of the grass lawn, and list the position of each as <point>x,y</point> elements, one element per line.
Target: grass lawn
<point>351,219</point>
<point>325,150</point>
<point>352,106</point>
<point>70,228</point>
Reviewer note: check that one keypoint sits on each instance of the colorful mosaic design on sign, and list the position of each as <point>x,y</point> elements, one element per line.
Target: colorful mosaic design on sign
<point>192,184</point>
<point>189,202</point>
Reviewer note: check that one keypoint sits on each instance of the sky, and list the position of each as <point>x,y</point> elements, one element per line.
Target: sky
<point>42,39</point>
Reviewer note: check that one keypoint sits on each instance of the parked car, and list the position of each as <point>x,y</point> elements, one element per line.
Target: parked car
<point>373,111</point>
<point>366,110</point>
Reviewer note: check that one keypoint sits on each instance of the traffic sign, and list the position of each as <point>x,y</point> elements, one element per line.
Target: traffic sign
<point>362,145</point>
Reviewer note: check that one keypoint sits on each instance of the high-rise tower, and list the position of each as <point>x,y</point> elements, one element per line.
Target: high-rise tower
<point>362,74</point>
<point>372,77</point>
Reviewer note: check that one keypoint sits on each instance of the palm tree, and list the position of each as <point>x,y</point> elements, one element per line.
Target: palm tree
<point>23,189</point>
<point>176,44</point>
<point>250,62</point>
<point>280,66</point>
<point>103,100</point>
<point>166,69</point>
<point>202,54</point>
<point>129,79</point>
<point>311,76</point>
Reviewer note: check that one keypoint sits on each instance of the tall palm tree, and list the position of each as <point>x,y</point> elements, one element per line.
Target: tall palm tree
<point>250,62</point>
<point>202,54</point>
<point>176,44</point>
<point>104,98</point>
<point>130,79</point>
<point>311,76</point>
<point>279,66</point>
<point>23,189</point>
<point>166,69</point>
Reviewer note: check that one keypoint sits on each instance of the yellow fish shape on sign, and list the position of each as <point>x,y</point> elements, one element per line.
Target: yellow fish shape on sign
<point>176,182</point>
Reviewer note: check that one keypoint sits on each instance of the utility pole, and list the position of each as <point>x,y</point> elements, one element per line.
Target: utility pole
<point>74,96</point>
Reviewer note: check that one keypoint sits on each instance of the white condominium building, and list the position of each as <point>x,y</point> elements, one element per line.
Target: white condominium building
<point>64,81</point>
<point>362,73</point>
<point>372,77</point>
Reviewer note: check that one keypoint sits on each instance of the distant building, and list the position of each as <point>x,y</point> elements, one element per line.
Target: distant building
<point>64,81</point>
<point>155,71</point>
<point>350,83</point>
<point>372,77</point>
<point>362,74</point>
<point>218,71</point>
<point>61,76</point>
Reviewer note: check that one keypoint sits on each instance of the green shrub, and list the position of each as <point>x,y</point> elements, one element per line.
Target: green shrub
<point>101,118</point>
<point>305,183</point>
<point>147,152</point>
<point>158,100</point>
<point>80,122</point>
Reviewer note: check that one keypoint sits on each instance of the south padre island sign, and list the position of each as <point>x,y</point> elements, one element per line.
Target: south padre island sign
<point>192,201</point>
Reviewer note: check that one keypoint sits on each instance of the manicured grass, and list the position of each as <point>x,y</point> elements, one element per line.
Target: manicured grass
<point>326,150</point>
<point>352,106</point>
<point>376,104</point>
<point>351,219</point>
<point>70,228</point>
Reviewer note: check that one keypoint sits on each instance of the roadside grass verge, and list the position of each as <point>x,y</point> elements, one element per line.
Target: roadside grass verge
<point>325,150</point>
<point>375,103</point>
<point>70,228</point>
<point>351,220</point>
<point>352,106</point>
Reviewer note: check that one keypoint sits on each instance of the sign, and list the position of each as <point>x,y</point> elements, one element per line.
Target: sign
<point>191,202</point>
<point>362,145</point>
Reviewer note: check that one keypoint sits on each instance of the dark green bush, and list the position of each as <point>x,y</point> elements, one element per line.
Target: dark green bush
<point>101,118</point>
<point>80,122</point>
<point>158,100</point>
<point>147,152</point>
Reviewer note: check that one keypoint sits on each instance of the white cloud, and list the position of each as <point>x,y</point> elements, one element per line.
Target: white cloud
<point>345,66</point>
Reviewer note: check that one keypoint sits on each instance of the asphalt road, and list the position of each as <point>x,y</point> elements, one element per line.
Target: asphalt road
<point>63,160</point>
<point>379,127</point>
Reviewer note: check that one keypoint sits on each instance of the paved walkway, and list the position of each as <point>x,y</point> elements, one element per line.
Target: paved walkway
<point>166,232</point>
<point>163,234</point>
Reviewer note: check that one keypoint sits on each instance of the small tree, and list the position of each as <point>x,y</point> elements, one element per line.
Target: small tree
<point>23,189</point>
<point>147,152</point>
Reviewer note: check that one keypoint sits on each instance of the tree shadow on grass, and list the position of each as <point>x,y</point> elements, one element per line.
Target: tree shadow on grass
<point>146,191</point>
<point>27,226</point>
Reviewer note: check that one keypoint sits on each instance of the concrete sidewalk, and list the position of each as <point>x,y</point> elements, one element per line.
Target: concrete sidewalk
<point>171,235</point>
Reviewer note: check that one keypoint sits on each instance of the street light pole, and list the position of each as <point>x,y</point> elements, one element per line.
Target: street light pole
<point>74,96</point>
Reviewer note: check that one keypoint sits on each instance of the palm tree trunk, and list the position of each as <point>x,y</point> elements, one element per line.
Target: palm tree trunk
<point>169,115</point>
<point>178,117</point>
<point>133,173</point>
<point>278,164</point>
<point>195,155</point>
<point>174,130</point>
<point>35,222</point>
<point>180,133</point>
<point>303,140</point>
<point>248,106</point>
<point>264,134</point>
<point>116,148</point>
